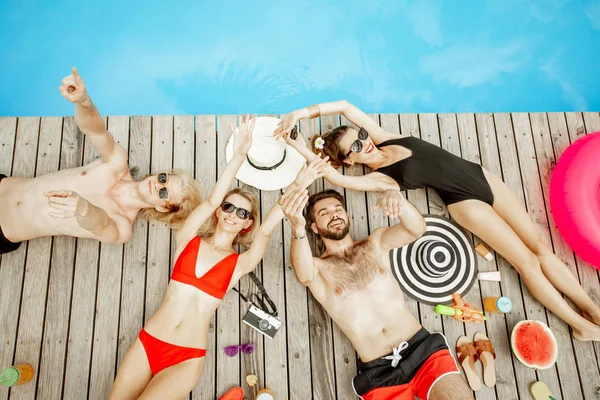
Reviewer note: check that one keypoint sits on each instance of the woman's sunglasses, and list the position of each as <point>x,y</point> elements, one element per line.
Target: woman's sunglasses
<point>242,213</point>
<point>357,145</point>
<point>232,351</point>
<point>163,179</point>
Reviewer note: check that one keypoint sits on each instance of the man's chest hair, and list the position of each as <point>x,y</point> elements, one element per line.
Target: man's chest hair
<point>355,269</point>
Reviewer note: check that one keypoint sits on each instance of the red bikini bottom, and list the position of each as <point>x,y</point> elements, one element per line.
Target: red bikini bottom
<point>162,355</point>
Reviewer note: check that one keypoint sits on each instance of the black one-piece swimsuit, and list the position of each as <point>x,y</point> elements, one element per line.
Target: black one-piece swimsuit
<point>455,179</point>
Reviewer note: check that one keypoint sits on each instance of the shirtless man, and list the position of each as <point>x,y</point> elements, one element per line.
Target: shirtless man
<point>99,200</point>
<point>353,281</point>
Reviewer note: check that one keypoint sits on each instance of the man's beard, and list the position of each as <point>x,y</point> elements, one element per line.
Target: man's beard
<point>336,234</point>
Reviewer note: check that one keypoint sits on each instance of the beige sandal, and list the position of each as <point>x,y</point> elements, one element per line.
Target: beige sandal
<point>487,355</point>
<point>467,355</point>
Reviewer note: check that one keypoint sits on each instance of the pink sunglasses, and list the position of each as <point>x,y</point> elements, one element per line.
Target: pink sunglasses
<point>232,351</point>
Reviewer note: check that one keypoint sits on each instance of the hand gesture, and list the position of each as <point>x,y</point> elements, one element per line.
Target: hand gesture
<point>292,204</point>
<point>242,139</point>
<point>73,88</point>
<point>67,204</point>
<point>315,169</point>
<point>391,202</point>
<point>284,128</point>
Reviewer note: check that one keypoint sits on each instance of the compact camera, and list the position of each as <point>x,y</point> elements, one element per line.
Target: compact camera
<point>263,322</point>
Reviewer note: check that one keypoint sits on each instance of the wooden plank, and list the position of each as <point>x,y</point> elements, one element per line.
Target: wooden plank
<point>575,125</point>
<point>274,370</point>
<point>206,174</point>
<point>8,131</point>
<point>184,147</point>
<point>536,209</point>
<point>297,318</point>
<point>391,123</point>
<point>521,299</point>
<point>453,329</point>
<point>322,350</point>
<point>356,203</point>
<point>275,350</point>
<point>228,321</point>
<point>183,158</point>
<point>409,126</point>
<point>35,285</point>
<point>56,329</point>
<point>83,308</point>
<point>106,326</point>
<point>458,136</point>
<point>556,137</point>
<point>496,324</point>
<point>498,327</point>
<point>253,365</point>
<point>133,282</point>
<point>592,122</point>
<point>24,148</point>
<point>430,133</point>
<point>157,266</point>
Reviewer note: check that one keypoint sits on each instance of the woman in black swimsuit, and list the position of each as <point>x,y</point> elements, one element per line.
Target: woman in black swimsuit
<point>476,199</point>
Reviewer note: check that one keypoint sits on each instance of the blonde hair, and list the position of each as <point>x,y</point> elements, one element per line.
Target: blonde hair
<point>243,238</point>
<point>192,197</point>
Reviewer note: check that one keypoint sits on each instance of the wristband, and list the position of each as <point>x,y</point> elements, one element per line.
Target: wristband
<point>314,111</point>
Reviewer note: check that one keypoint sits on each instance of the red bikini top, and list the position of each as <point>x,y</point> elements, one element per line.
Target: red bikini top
<point>215,281</point>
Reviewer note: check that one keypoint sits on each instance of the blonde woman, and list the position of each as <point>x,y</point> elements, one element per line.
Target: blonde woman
<point>168,357</point>
<point>476,199</point>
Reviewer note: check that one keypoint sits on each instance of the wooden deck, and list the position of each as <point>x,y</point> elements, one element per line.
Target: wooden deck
<point>72,307</point>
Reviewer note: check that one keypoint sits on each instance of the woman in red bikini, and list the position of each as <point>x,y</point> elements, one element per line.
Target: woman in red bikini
<point>167,358</point>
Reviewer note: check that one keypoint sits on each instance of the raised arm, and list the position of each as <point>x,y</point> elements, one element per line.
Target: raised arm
<point>242,140</point>
<point>410,227</point>
<point>351,112</point>
<point>305,265</point>
<point>89,121</point>
<point>295,193</point>
<point>372,182</point>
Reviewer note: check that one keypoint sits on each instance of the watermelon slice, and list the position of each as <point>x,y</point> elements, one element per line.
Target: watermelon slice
<point>534,344</point>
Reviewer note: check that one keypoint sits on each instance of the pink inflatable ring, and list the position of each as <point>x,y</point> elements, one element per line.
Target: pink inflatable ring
<point>575,197</point>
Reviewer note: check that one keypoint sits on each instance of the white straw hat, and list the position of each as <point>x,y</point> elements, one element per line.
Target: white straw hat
<point>270,164</point>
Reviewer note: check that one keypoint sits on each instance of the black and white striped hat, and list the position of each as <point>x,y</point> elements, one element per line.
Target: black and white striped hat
<point>438,264</point>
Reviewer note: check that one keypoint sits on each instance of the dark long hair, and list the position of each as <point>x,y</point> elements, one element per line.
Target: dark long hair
<point>331,147</point>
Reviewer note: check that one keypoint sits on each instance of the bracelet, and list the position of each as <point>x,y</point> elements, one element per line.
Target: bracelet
<point>299,237</point>
<point>314,111</point>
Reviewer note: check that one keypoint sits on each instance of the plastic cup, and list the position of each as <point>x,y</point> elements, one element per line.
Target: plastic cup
<point>497,304</point>
<point>265,394</point>
<point>16,375</point>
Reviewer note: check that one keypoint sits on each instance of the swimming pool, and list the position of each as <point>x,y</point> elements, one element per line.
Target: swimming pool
<point>200,57</point>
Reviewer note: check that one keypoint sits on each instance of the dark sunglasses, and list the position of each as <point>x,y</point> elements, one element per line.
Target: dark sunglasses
<point>242,213</point>
<point>163,179</point>
<point>357,145</point>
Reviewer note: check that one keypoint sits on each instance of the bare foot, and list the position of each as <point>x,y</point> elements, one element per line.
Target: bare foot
<point>590,332</point>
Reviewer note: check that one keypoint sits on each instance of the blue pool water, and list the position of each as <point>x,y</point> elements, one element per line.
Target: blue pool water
<point>267,56</point>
